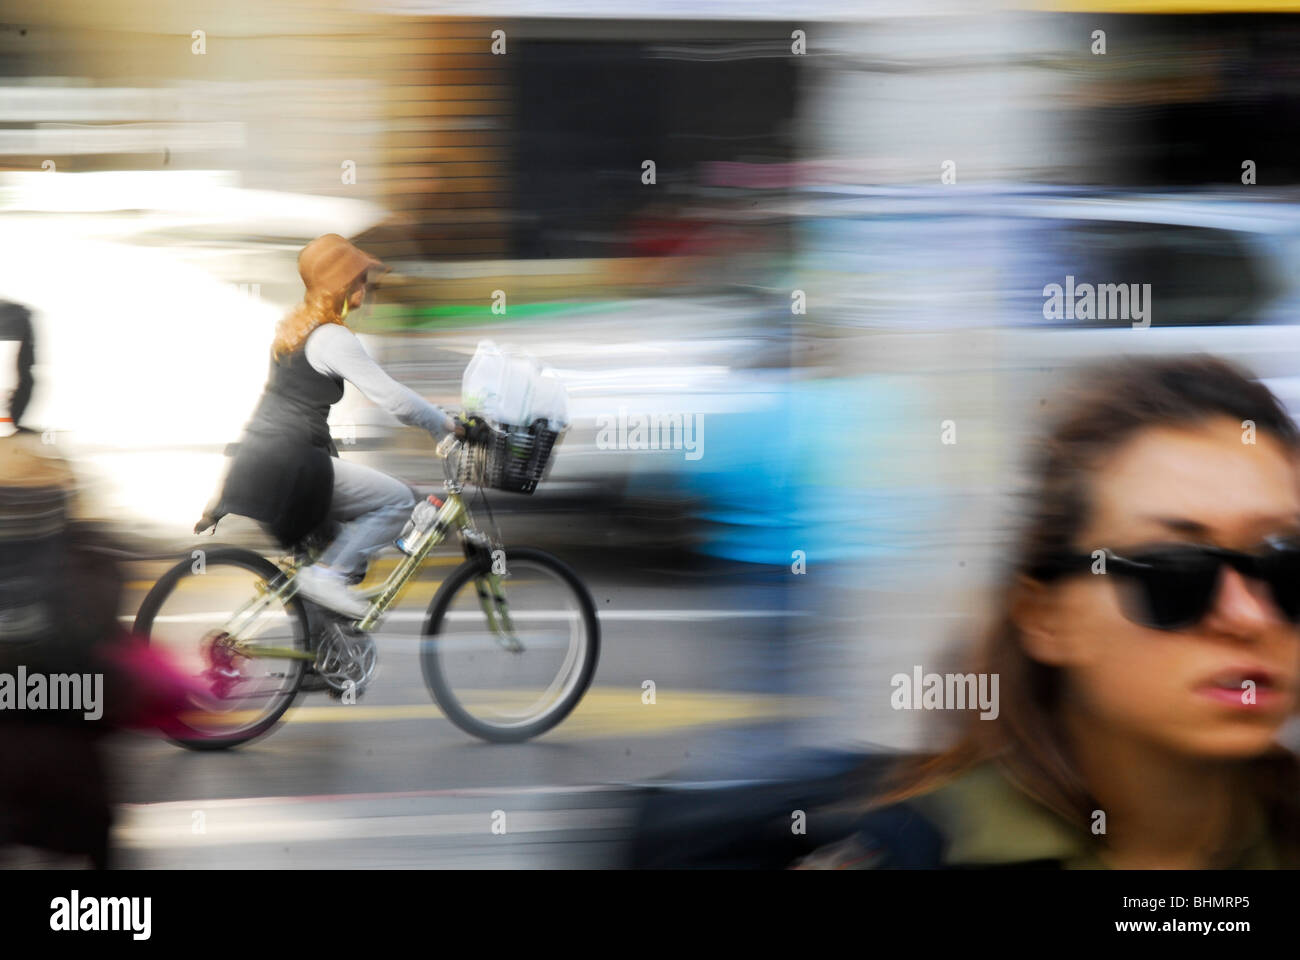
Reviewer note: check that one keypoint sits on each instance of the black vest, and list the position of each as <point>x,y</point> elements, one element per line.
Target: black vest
<point>296,402</point>
<point>283,474</point>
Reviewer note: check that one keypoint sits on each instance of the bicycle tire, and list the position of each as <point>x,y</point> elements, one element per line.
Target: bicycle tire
<point>436,680</point>
<point>158,593</point>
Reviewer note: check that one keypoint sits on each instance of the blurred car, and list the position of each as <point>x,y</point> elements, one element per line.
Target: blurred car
<point>933,298</point>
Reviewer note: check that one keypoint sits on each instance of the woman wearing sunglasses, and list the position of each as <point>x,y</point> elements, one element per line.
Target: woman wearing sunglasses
<point>1146,647</point>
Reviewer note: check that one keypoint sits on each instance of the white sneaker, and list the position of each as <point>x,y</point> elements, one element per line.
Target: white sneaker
<point>331,591</point>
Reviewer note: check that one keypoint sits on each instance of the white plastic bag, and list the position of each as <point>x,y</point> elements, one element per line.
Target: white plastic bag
<point>550,400</point>
<point>516,402</point>
<point>509,387</point>
<point>483,381</point>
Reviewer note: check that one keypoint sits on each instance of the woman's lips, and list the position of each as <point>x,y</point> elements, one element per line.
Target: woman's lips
<point>1246,688</point>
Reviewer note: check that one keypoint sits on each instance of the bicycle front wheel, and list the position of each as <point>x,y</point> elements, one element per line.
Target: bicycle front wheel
<point>241,682</point>
<point>510,678</point>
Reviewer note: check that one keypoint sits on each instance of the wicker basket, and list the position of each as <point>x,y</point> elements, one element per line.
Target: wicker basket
<point>514,459</point>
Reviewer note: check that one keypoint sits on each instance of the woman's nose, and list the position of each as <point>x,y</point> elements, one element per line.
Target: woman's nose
<point>1242,607</point>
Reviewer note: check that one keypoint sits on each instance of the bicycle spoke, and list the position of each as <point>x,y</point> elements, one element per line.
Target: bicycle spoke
<point>247,662</point>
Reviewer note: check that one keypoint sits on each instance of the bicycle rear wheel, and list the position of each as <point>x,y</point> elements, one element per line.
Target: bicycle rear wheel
<point>187,611</point>
<point>489,690</point>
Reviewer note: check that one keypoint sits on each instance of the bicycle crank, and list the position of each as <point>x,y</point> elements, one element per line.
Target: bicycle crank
<point>346,659</point>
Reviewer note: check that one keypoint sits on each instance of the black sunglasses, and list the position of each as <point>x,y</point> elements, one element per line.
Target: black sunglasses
<point>1178,583</point>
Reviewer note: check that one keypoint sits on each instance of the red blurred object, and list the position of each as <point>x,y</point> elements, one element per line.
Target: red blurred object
<point>653,236</point>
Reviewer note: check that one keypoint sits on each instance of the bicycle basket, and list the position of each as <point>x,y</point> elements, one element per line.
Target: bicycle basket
<point>514,459</point>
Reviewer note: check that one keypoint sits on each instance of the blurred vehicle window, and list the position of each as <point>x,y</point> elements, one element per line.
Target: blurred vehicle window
<point>1198,275</point>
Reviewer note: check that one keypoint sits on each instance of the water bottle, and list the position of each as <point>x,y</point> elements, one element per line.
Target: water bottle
<point>422,520</point>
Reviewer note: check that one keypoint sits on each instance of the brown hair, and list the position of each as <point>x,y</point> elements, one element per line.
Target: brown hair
<point>317,307</point>
<point>1107,407</point>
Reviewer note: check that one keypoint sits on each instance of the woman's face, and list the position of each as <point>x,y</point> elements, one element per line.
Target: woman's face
<point>1204,485</point>
<point>358,295</point>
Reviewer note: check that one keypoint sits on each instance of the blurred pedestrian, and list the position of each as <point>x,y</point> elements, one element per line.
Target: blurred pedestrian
<point>1146,648</point>
<point>53,789</point>
<point>60,592</point>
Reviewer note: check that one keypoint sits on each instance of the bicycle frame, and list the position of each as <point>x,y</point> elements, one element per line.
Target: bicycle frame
<point>453,515</point>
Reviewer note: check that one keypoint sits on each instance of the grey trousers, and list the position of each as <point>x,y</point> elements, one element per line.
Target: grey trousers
<point>372,506</point>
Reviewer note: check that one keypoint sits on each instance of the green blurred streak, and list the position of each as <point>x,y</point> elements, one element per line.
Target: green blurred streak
<point>393,318</point>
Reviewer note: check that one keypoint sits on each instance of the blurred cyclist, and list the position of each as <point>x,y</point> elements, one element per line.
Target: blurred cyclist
<point>287,473</point>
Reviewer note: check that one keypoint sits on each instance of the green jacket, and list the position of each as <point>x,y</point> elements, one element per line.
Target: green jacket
<point>981,820</point>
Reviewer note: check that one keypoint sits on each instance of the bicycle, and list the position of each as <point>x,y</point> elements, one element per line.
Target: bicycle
<point>254,663</point>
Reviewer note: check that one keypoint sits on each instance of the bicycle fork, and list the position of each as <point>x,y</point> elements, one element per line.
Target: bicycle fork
<point>493,601</point>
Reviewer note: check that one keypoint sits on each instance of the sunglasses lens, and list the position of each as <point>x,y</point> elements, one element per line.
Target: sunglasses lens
<point>1171,590</point>
<point>1283,572</point>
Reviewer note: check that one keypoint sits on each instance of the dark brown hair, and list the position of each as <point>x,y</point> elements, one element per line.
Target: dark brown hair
<point>1106,407</point>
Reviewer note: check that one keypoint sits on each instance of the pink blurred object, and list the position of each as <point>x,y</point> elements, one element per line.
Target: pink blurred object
<point>158,691</point>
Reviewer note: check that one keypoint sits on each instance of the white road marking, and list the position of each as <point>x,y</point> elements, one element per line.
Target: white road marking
<point>416,616</point>
<point>238,802</point>
<point>144,829</point>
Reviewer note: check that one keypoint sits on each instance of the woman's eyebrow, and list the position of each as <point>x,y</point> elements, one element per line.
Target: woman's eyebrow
<point>1193,528</point>
<point>1180,525</point>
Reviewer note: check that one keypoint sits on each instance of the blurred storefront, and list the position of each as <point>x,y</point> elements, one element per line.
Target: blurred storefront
<point>500,138</point>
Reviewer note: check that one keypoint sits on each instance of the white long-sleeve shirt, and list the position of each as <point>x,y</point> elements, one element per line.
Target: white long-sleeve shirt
<point>334,350</point>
